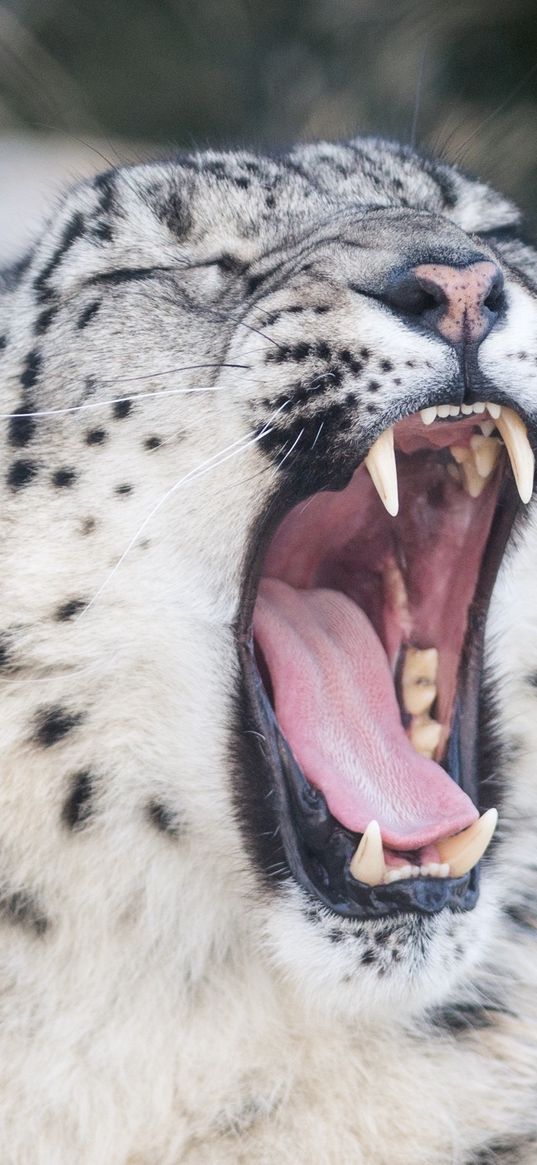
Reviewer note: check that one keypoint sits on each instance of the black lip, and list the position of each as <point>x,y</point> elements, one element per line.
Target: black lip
<point>291,831</point>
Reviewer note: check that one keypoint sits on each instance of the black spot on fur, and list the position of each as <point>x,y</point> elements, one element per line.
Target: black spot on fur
<point>44,320</point>
<point>105,184</point>
<point>364,354</point>
<point>323,350</point>
<point>76,811</point>
<point>96,437</point>
<point>126,275</point>
<point>163,818</point>
<point>465,1017</point>
<point>321,309</point>
<point>31,370</point>
<point>369,957</point>
<point>175,214</point>
<point>152,443</point>
<point>69,610</point>
<point>123,489</point>
<point>88,314</point>
<point>270,201</point>
<point>64,478</point>
<point>505,1152</point>
<point>373,386</point>
<point>386,365</point>
<point>103,232</point>
<point>3,343</point>
<point>88,526</point>
<point>21,473</point>
<point>53,724</point>
<point>20,909</point>
<point>71,233</point>
<point>121,409</point>
<point>21,430</point>
<point>5,653</point>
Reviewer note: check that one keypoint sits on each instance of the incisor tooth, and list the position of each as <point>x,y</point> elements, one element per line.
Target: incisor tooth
<point>494,409</point>
<point>424,734</point>
<point>368,865</point>
<point>486,451</point>
<point>515,437</point>
<point>463,851</point>
<point>429,415</point>
<point>380,462</point>
<point>443,410</point>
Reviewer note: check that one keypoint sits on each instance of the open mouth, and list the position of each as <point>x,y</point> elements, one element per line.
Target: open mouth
<point>363,664</point>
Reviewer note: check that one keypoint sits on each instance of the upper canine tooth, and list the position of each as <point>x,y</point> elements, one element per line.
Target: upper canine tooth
<point>429,415</point>
<point>368,864</point>
<point>515,437</point>
<point>494,409</point>
<point>380,462</point>
<point>465,849</point>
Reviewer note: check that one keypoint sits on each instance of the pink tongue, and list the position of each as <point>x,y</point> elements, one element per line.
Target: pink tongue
<point>335,703</point>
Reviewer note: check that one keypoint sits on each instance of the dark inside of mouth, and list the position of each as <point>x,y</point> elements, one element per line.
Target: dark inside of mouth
<point>361,628</point>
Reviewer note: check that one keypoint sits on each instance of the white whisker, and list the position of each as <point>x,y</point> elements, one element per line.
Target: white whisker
<point>236,447</point>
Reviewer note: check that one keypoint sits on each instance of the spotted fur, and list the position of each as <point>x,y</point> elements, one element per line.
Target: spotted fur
<point>185,340</point>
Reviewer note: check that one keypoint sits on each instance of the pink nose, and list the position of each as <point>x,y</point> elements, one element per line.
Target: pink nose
<point>465,300</point>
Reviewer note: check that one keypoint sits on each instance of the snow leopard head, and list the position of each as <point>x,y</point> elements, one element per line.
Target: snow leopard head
<point>267,423</point>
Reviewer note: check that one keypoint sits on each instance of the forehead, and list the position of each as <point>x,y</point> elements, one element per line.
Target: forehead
<point>252,196</point>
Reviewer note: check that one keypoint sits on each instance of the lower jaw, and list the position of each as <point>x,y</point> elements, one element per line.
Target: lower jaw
<point>317,849</point>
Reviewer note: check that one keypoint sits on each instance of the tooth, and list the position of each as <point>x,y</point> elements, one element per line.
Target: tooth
<point>455,473</point>
<point>494,409</point>
<point>418,698</point>
<point>467,409</point>
<point>487,427</point>
<point>443,410</point>
<point>367,865</point>
<point>380,462</point>
<point>443,870</point>
<point>397,873</point>
<point>424,735</point>
<point>463,851</point>
<point>454,410</point>
<point>420,665</point>
<point>486,451</point>
<point>515,437</point>
<point>479,406</point>
<point>460,453</point>
<point>429,415</point>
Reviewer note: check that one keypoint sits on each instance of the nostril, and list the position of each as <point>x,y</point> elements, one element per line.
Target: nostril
<point>410,297</point>
<point>495,300</point>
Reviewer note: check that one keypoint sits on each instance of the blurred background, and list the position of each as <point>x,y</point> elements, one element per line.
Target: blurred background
<point>85,83</point>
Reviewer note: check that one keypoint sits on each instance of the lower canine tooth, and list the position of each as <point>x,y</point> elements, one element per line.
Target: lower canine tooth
<point>380,462</point>
<point>368,864</point>
<point>463,851</point>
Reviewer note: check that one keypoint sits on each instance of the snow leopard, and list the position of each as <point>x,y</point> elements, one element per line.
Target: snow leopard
<point>268,667</point>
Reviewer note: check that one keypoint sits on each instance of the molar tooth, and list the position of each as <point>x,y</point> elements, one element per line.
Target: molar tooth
<point>368,864</point>
<point>420,665</point>
<point>494,409</point>
<point>428,415</point>
<point>515,437</point>
<point>424,735</point>
<point>463,851</point>
<point>486,451</point>
<point>380,462</point>
<point>459,453</point>
<point>418,698</point>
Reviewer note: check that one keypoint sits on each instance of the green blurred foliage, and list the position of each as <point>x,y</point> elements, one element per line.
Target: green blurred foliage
<point>458,75</point>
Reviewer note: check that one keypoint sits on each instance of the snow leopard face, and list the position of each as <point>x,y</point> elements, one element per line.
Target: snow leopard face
<point>267,424</point>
